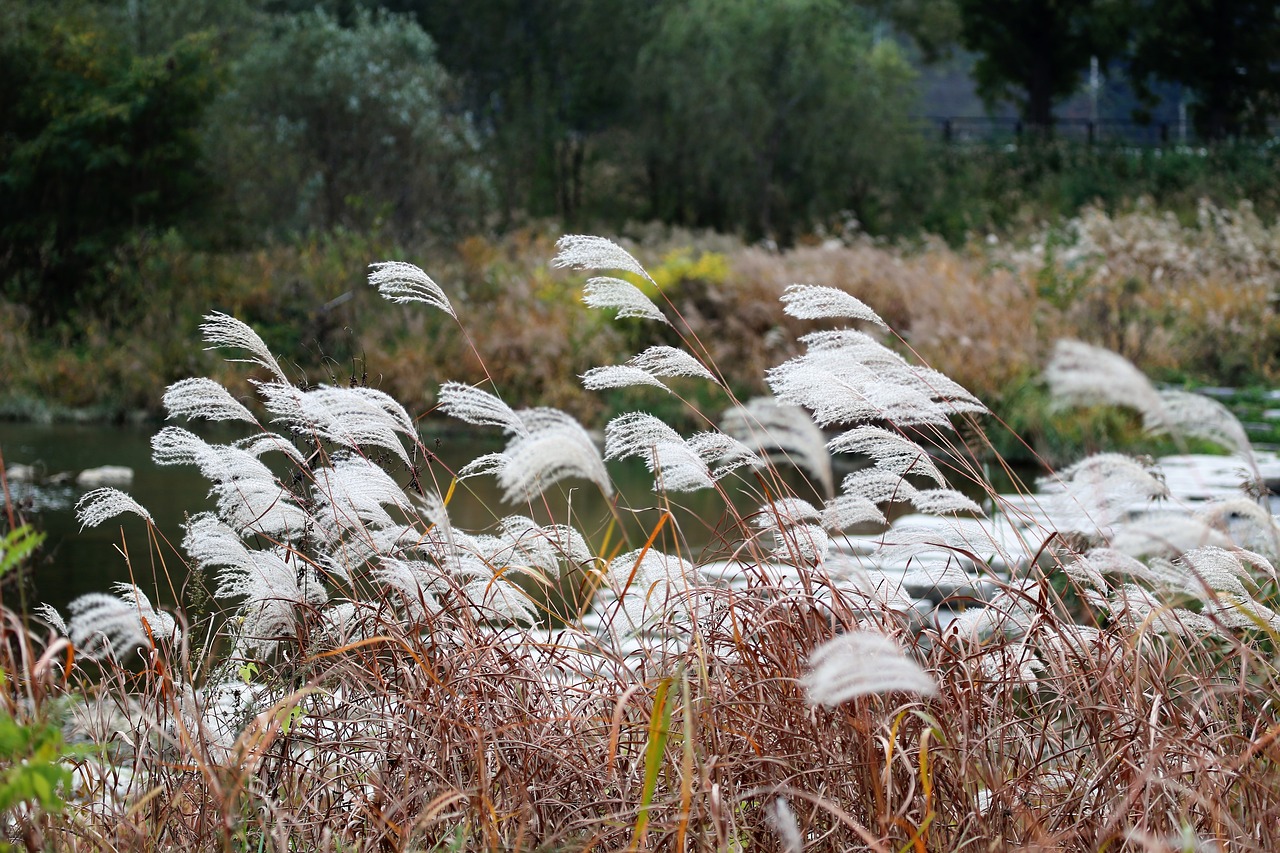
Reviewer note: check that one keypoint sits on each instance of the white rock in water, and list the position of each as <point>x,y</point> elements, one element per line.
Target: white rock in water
<point>20,473</point>
<point>107,475</point>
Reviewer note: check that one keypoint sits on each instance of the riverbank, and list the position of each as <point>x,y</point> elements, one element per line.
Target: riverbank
<point>1190,304</point>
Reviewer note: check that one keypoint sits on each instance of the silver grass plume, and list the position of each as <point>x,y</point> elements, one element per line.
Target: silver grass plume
<point>548,446</point>
<point>475,406</point>
<point>801,544</point>
<point>782,433</point>
<point>608,292</point>
<point>645,368</point>
<point>1083,375</point>
<point>650,586</point>
<point>891,451</point>
<point>579,251</point>
<point>102,624</point>
<point>783,820</point>
<point>97,506</point>
<point>275,584</point>
<point>351,417</point>
<point>1137,608</point>
<point>677,466</point>
<point>352,493</point>
<point>223,330</point>
<point>861,663</point>
<point>402,283</point>
<point>620,376</point>
<point>204,398</point>
<point>1191,415</point>
<point>814,302</point>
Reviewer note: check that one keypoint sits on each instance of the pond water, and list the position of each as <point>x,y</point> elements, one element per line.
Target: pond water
<point>74,562</point>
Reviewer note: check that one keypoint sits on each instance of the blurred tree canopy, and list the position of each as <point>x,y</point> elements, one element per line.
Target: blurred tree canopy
<point>96,143</point>
<point>232,123</point>
<point>765,116</point>
<point>1222,51</point>
<point>326,125</point>
<point>1034,51</point>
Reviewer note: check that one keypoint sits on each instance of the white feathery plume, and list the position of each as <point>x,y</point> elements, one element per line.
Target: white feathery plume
<point>104,624</point>
<point>891,451</point>
<point>619,376</point>
<point>223,330</point>
<point>783,820</point>
<point>677,467</point>
<point>861,663</point>
<point>847,510</point>
<point>550,446</point>
<point>1137,608</point>
<point>608,292</point>
<point>785,512</point>
<point>782,433</point>
<point>1222,570</point>
<point>1248,523</point>
<point>97,506</point>
<point>266,442</point>
<point>669,361</point>
<point>801,545</point>
<point>274,585</point>
<point>1082,375</point>
<point>51,615</point>
<point>636,434</point>
<point>722,453</point>
<point>814,302</point>
<point>204,398</point>
<point>1197,416</point>
<point>944,502</point>
<point>1243,611</point>
<point>261,506</point>
<point>650,586</point>
<point>579,251</point>
<point>474,406</point>
<point>878,486</point>
<point>954,537</point>
<point>402,282</point>
<point>209,542</point>
<point>1165,534</point>
<point>353,492</point>
<point>352,417</point>
<point>413,580</point>
<point>1099,490</point>
<point>497,597</point>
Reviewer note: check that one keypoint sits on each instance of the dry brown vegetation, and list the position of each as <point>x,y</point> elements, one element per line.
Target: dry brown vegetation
<point>661,709</point>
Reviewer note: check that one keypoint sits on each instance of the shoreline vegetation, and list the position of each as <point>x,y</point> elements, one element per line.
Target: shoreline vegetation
<point>350,669</point>
<point>1188,300</point>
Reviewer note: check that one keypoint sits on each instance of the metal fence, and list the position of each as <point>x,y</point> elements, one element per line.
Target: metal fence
<point>986,129</point>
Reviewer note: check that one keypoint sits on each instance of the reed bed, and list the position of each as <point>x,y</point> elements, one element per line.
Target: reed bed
<point>353,672</point>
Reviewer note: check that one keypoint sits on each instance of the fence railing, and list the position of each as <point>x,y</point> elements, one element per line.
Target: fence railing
<point>963,129</point>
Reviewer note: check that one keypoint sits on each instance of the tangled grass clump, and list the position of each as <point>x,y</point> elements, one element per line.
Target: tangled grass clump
<point>1025,671</point>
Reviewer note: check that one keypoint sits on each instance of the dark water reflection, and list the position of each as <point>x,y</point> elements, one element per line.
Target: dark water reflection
<point>74,562</point>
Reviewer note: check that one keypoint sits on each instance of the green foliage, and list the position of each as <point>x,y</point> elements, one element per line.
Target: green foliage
<point>546,80</point>
<point>765,117</point>
<point>327,126</point>
<point>31,764</point>
<point>1223,54</point>
<point>17,546</point>
<point>1034,52</point>
<point>96,143</point>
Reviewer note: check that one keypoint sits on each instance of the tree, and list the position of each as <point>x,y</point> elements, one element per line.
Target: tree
<point>97,143</point>
<point>1222,51</point>
<point>767,116</point>
<point>544,79</point>
<point>1034,51</point>
<point>326,125</point>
